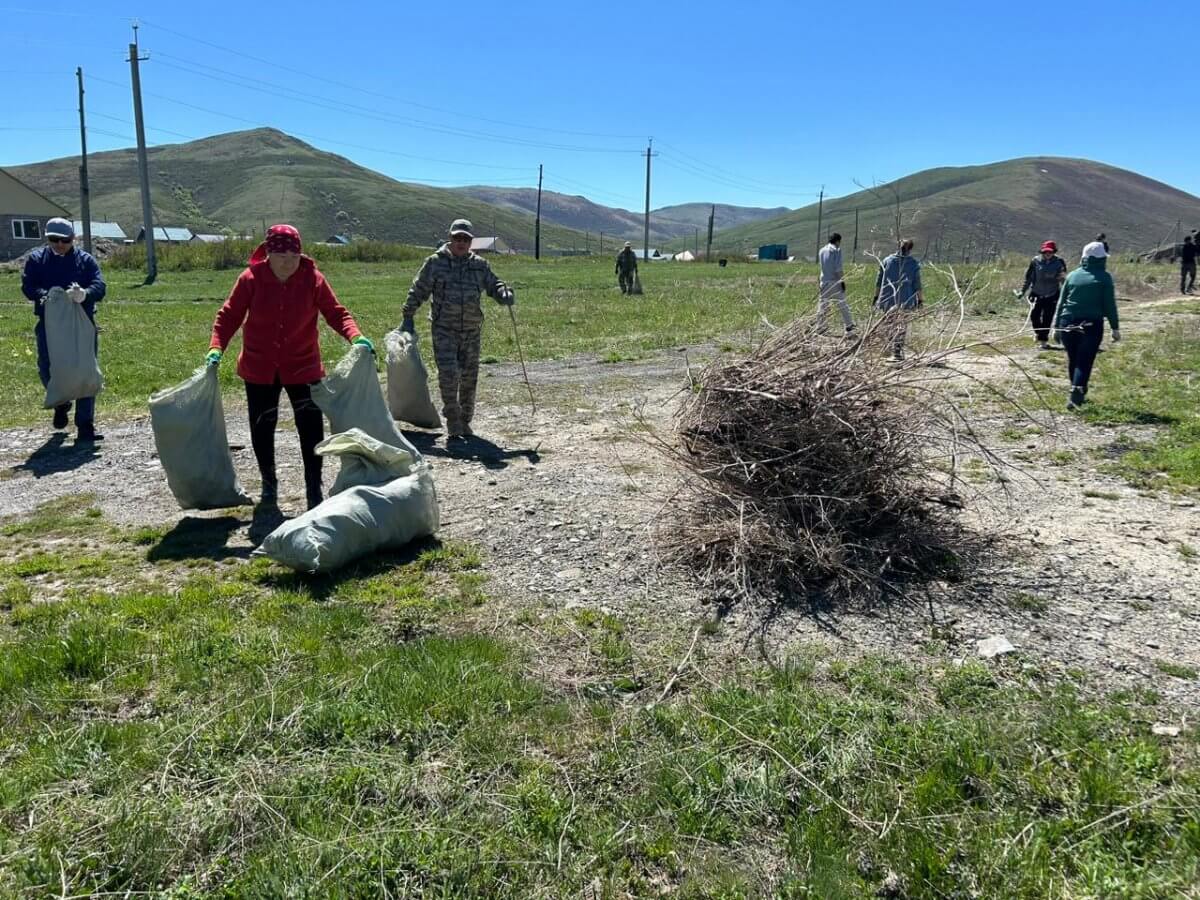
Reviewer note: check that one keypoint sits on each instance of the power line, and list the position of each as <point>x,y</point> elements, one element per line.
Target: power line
<point>258,123</point>
<point>341,84</point>
<point>673,163</point>
<point>699,163</point>
<point>340,106</point>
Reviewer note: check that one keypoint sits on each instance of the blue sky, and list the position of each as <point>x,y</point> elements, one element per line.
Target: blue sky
<point>753,107</point>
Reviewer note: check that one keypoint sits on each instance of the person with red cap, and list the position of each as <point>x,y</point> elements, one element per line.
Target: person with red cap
<point>278,297</point>
<point>1043,280</point>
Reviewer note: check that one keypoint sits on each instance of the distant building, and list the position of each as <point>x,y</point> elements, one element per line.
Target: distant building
<point>339,240</point>
<point>685,256</point>
<point>210,238</point>
<point>23,215</point>
<point>490,245</point>
<point>773,252</point>
<point>166,234</point>
<point>108,231</point>
<point>653,254</point>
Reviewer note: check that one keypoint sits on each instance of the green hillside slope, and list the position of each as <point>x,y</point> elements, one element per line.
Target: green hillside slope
<point>240,180</point>
<point>974,211</point>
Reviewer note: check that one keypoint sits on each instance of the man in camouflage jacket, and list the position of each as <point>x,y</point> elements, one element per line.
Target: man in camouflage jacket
<point>455,278</point>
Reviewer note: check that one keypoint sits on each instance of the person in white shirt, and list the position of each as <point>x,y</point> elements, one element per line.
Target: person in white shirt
<point>833,284</point>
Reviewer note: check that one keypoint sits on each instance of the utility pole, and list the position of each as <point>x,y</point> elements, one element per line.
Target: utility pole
<point>537,222</point>
<point>820,210</point>
<point>143,165</point>
<point>602,243</point>
<point>854,252</point>
<point>646,232</point>
<point>712,214</point>
<point>85,201</point>
<point>697,250</point>
<point>587,243</point>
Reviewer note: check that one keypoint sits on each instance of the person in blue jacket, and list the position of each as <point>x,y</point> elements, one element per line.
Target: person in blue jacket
<point>898,292</point>
<point>63,265</point>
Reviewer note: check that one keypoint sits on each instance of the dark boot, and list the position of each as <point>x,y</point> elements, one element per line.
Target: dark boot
<point>61,415</point>
<point>1076,399</point>
<point>270,491</point>
<point>88,434</point>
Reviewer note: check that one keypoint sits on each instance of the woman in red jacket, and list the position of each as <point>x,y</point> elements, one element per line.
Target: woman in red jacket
<point>278,297</point>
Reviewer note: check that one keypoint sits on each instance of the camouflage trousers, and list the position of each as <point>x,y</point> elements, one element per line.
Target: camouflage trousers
<point>456,352</point>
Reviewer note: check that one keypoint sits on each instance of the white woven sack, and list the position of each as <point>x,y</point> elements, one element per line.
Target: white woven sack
<point>408,382</point>
<point>351,397</point>
<point>189,434</point>
<point>71,344</point>
<point>365,460</point>
<point>355,523</point>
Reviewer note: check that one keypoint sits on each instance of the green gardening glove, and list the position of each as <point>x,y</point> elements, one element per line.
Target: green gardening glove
<point>364,342</point>
<point>213,357</point>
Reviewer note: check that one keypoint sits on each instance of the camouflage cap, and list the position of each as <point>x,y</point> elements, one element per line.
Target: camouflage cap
<point>462,226</point>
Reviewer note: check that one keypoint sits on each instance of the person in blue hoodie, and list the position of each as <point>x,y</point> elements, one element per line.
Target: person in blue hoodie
<point>1088,298</point>
<point>63,265</point>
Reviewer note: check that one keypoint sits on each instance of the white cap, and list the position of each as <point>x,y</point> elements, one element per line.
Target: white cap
<point>1095,249</point>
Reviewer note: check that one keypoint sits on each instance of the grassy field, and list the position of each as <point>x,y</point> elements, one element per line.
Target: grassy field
<point>184,723</point>
<point>239,732</point>
<point>154,336</point>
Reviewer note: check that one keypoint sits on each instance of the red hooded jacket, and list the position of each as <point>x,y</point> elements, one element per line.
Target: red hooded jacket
<point>280,334</point>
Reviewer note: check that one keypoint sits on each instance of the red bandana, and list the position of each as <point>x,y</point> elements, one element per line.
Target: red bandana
<point>280,239</point>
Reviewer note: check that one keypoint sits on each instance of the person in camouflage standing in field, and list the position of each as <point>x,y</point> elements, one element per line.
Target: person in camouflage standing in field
<point>455,278</point>
<point>626,268</point>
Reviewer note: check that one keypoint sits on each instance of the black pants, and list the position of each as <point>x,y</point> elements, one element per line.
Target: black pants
<point>1187,276</point>
<point>263,403</point>
<point>1082,341</point>
<point>1041,316</point>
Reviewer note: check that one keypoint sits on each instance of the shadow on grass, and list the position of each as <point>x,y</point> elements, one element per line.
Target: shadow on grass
<point>321,587</point>
<point>197,538</point>
<point>475,449</point>
<point>56,456</point>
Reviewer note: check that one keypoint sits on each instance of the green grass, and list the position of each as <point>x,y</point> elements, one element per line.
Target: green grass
<point>1149,380</point>
<point>1176,670</point>
<point>251,732</point>
<point>236,739</point>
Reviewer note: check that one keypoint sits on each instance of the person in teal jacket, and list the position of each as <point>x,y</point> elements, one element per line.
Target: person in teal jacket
<point>1088,298</point>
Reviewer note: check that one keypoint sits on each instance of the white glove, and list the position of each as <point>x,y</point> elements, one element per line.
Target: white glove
<point>1116,335</point>
<point>76,294</point>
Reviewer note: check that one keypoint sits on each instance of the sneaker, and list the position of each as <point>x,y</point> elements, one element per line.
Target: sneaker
<point>60,416</point>
<point>88,435</point>
<point>1076,400</point>
<point>1044,345</point>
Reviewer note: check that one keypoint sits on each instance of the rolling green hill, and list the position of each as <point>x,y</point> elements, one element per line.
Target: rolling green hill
<point>239,180</point>
<point>973,211</point>
<point>580,213</point>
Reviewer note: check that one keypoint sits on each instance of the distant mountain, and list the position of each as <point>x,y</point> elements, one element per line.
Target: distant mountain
<point>976,210</point>
<point>582,214</point>
<point>695,215</point>
<point>240,180</point>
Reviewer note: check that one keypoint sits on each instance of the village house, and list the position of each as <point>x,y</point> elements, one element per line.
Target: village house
<point>23,216</point>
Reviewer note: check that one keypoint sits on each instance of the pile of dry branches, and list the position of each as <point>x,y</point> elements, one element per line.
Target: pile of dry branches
<point>821,468</point>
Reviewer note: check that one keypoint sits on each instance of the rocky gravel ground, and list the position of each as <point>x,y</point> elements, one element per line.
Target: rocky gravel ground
<point>1086,573</point>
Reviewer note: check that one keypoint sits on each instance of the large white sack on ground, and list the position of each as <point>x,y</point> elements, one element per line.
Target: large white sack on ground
<point>351,397</point>
<point>71,344</point>
<point>408,382</point>
<point>364,459</point>
<point>189,434</point>
<point>355,523</point>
